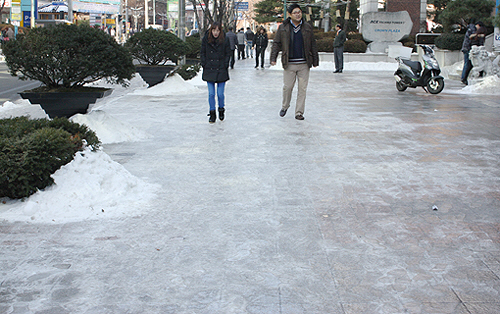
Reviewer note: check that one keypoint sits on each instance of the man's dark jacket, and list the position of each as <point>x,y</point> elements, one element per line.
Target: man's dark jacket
<point>214,59</point>
<point>339,39</point>
<point>283,38</point>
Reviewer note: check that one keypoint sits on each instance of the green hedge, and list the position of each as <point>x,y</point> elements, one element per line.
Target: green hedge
<point>450,41</point>
<point>325,44</point>
<point>188,71</point>
<point>32,150</point>
<point>355,45</point>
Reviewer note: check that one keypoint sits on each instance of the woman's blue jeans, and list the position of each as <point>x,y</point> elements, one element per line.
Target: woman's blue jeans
<point>220,94</point>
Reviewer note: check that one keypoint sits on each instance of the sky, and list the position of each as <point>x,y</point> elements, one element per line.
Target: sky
<point>93,186</point>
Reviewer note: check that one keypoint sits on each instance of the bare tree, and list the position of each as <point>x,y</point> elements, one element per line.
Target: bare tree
<point>222,11</point>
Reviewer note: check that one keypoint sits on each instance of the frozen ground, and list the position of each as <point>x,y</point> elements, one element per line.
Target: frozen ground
<point>262,214</point>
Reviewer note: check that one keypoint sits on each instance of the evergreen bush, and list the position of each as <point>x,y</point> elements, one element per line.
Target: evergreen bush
<point>194,46</point>
<point>32,150</point>
<point>450,41</point>
<point>325,44</point>
<point>156,47</point>
<point>188,71</point>
<point>68,56</point>
<point>355,45</point>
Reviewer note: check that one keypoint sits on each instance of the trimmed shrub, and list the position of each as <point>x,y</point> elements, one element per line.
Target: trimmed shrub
<point>355,35</point>
<point>355,45</point>
<point>325,44</point>
<point>156,47</point>
<point>188,71</point>
<point>194,46</point>
<point>68,56</point>
<point>32,150</point>
<point>450,41</point>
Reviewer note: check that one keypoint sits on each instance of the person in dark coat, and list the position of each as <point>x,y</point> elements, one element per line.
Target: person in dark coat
<point>233,43</point>
<point>215,53</point>
<point>338,49</point>
<point>295,40</point>
<point>466,45</point>
<point>260,43</point>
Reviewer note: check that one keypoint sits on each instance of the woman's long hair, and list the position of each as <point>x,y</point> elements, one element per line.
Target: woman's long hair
<point>211,38</point>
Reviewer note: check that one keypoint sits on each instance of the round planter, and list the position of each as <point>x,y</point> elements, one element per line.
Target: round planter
<point>154,74</point>
<point>64,104</point>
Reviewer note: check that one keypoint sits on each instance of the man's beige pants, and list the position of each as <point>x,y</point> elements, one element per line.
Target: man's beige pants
<point>294,72</point>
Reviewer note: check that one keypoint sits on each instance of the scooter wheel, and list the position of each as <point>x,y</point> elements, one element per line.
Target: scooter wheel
<point>435,86</point>
<point>401,87</point>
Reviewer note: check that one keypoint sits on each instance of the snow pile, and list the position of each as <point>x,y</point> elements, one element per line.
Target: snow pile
<point>90,187</point>
<point>172,85</point>
<point>488,85</point>
<point>135,83</point>
<point>108,129</point>
<point>21,107</point>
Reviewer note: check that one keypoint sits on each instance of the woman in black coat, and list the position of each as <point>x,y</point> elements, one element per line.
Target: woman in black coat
<point>260,42</point>
<point>214,55</point>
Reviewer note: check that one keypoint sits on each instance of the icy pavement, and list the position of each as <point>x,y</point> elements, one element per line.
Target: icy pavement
<point>262,214</point>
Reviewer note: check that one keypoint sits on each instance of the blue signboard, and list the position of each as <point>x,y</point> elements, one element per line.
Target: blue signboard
<point>27,18</point>
<point>243,6</point>
<point>26,5</point>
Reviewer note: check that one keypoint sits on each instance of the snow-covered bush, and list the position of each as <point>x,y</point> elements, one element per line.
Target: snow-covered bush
<point>32,150</point>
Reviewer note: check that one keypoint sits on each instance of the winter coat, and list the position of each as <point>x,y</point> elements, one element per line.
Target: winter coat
<point>339,39</point>
<point>215,60</point>
<point>477,39</point>
<point>249,35</point>
<point>241,38</point>
<point>466,44</point>
<point>260,41</point>
<point>233,41</point>
<point>283,39</point>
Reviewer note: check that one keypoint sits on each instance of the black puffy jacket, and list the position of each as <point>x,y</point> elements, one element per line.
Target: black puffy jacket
<point>215,60</point>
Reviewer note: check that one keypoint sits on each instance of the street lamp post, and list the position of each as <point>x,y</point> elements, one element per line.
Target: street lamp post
<point>146,14</point>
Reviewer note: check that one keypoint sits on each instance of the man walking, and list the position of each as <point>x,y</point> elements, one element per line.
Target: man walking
<point>338,49</point>
<point>241,44</point>
<point>249,35</point>
<point>295,39</point>
<point>232,44</point>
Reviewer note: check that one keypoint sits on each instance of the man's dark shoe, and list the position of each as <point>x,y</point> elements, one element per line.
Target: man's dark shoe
<point>299,117</point>
<point>282,112</point>
<point>336,71</point>
<point>465,82</point>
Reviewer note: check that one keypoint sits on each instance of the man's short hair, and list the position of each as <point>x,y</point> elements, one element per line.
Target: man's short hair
<point>339,26</point>
<point>293,7</point>
<point>230,28</point>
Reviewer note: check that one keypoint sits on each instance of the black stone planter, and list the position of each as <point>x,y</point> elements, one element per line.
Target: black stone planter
<point>64,104</point>
<point>154,74</point>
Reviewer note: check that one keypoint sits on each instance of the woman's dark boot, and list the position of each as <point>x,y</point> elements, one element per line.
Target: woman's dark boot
<point>221,113</point>
<point>213,116</point>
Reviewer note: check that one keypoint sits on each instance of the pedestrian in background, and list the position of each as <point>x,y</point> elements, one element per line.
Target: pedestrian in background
<point>215,54</point>
<point>338,49</point>
<point>241,44</point>
<point>295,38</point>
<point>466,45</point>
<point>249,36</point>
<point>475,39</point>
<point>260,43</point>
<point>233,43</point>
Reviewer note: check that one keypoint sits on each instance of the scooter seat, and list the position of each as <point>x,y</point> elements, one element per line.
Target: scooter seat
<point>415,65</point>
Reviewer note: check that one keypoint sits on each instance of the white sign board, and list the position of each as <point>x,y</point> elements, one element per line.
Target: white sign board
<point>7,3</point>
<point>386,26</point>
